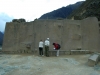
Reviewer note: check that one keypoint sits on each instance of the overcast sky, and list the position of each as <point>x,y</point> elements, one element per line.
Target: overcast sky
<point>28,9</point>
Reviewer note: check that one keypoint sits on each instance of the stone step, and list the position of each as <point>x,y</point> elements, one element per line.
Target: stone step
<point>79,51</point>
<point>61,52</point>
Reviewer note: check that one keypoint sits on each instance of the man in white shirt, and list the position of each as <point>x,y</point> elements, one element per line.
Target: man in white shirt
<point>47,44</point>
<point>41,47</point>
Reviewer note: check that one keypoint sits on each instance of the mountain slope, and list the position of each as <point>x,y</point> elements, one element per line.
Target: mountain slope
<point>61,12</point>
<point>89,8</point>
<point>1,38</point>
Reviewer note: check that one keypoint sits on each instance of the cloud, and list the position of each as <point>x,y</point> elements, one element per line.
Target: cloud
<point>3,19</point>
<point>31,9</point>
<point>28,9</point>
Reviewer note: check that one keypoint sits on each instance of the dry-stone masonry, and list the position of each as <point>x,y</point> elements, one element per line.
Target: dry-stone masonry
<point>24,37</point>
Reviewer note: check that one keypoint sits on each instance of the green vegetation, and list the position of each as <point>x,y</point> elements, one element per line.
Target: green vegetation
<point>90,8</point>
<point>19,20</point>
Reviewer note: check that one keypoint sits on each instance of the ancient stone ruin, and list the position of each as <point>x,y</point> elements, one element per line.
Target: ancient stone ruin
<point>24,37</point>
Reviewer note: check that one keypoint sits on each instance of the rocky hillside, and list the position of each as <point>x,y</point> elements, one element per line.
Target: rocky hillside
<point>1,38</point>
<point>89,8</point>
<point>61,12</point>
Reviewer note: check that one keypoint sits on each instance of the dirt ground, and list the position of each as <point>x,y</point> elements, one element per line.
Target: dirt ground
<point>41,65</point>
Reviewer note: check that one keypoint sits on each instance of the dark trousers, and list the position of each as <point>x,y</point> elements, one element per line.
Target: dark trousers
<point>47,51</point>
<point>40,50</point>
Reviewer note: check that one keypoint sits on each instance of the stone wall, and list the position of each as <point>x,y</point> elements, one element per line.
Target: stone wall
<point>71,34</point>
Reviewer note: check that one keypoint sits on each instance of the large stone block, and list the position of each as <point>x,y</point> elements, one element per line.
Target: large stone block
<point>93,60</point>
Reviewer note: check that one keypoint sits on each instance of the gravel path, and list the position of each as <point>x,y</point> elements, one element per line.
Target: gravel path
<point>36,65</point>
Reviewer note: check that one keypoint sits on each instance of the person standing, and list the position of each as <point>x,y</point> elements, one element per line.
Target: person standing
<point>56,47</point>
<point>47,44</point>
<point>41,48</point>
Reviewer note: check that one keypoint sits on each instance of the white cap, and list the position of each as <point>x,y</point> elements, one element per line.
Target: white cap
<point>47,38</point>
